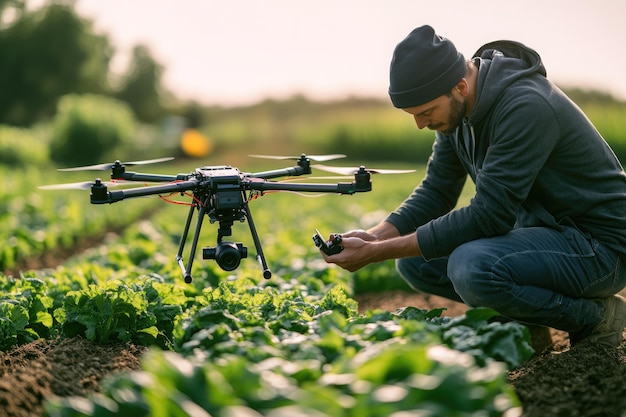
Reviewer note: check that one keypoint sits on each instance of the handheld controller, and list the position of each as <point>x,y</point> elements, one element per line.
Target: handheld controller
<point>329,247</point>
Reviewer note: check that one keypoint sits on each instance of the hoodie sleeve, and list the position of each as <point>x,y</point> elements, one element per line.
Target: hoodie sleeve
<point>518,144</point>
<point>437,194</point>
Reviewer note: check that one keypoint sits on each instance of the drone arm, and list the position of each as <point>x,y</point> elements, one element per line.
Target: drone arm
<point>339,188</point>
<point>137,176</point>
<point>285,172</point>
<point>100,194</point>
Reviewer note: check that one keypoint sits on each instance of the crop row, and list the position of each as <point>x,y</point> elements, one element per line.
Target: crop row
<point>273,346</point>
<point>33,222</point>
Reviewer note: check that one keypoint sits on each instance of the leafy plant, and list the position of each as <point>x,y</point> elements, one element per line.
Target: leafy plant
<point>25,311</point>
<point>474,334</point>
<point>13,323</point>
<point>143,312</point>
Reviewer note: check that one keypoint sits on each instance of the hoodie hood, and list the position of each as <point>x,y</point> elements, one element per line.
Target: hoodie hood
<point>500,64</point>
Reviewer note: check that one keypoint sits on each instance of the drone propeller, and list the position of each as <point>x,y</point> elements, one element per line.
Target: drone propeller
<point>84,185</point>
<point>105,167</point>
<point>319,158</point>
<point>353,170</point>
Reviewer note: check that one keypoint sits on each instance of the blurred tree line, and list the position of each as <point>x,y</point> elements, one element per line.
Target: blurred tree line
<point>51,52</point>
<point>55,67</point>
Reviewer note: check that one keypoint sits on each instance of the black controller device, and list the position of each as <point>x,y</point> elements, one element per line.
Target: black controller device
<point>329,247</point>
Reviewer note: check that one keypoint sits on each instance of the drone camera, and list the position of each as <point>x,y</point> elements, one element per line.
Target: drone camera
<point>227,254</point>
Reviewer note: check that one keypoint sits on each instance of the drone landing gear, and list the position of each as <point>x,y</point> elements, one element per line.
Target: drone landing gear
<point>267,274</point>
<point>227,254</point>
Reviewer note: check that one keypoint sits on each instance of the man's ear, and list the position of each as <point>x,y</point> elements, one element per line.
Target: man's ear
<point>462,87</point>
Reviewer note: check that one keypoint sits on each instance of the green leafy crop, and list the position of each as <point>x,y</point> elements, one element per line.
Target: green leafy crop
<point>25,311</point>
<point>143,312</point>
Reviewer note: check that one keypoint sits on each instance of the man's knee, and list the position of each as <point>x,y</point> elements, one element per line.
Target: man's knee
<point>427,276</point>
<point>410,271</point>
<point>469,269</point>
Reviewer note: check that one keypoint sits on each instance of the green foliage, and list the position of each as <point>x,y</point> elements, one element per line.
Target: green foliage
<point>35,222</point>
<point>371,141</point>
<point>370,130</point>
<point>51,51</point>
<point>89,128</point>
<point>473,333</point>
<point>13,322</point>
<point>257,322</point>
<point>298,124</point>
<point>143,312</point>
<point>25,311</point>
<point>609,120</point>
<point>20,147</point>
<point>141,87</point>
<point>231,311</point>
<point>289,344</point>
<point>378,277</point>
<point>374,366</point>
<point>46,54</point>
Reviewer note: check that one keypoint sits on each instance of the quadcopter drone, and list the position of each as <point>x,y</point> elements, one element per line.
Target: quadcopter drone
<point>222,194</point>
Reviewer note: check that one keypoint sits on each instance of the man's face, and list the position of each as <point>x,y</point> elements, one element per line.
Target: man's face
<point>443,114</point>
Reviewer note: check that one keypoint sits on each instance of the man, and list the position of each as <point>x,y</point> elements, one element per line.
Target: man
<point>543,241</point>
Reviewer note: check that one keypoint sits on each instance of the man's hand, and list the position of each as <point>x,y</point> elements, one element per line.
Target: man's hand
<point>380,243</point>
<point>354,254</point>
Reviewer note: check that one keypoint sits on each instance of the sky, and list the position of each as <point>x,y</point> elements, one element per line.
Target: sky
<point>237,52</point>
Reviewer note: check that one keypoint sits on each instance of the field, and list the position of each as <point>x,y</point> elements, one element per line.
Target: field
<point>96,318</point>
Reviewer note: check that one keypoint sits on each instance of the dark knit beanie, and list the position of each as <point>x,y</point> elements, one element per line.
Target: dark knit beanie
<point>424,66</point>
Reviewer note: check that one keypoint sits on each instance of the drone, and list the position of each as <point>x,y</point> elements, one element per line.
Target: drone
<point>221,193</point>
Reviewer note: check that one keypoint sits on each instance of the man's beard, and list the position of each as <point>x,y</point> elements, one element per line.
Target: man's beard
<point>458,109</point>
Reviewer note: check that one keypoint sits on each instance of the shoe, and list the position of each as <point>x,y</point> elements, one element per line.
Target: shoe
<point>540,337</point>
<point>609,333</point>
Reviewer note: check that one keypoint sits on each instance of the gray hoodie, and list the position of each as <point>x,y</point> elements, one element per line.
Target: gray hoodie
<point>535,158</point>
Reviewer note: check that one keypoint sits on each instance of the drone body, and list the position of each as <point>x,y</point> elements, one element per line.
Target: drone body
<point>220,193</point>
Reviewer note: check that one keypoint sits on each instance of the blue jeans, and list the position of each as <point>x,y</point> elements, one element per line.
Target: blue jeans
<point>533,275</point>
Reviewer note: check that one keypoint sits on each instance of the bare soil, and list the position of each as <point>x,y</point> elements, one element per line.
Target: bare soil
<point>555,382</point>
<point>33,372</point>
